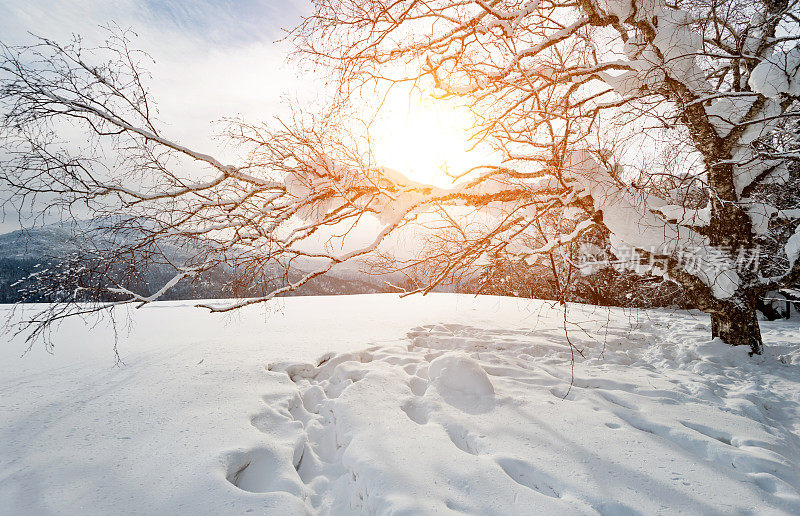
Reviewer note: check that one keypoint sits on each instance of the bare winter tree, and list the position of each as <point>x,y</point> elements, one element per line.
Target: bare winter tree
<point>673,126</point>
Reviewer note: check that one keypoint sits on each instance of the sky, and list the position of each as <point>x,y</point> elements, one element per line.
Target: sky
<point>213,59</point>
<point>225,58</point>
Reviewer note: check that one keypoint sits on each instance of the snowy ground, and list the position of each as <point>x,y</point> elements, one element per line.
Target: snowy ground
<point>373,404</point>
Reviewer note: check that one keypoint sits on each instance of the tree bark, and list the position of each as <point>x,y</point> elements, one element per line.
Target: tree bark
<point>770,312</point>
<point>737,325</point>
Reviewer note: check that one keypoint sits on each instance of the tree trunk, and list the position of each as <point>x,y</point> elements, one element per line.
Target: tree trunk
<point>738,325</point>
<point>769,311</point>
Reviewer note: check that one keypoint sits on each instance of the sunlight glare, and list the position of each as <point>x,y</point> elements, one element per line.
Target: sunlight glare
<point>424,138</point>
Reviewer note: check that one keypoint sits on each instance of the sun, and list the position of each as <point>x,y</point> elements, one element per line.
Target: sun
<point>424,138</point>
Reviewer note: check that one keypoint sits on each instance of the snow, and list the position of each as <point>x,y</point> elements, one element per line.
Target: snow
<point>634,224</point>
<point>687,216</point>
<point>726,112</point>
<point>424,405</point>
<point>679,44</point>
<point>715,268</point>
<point>778,75</point>
<point>760,216</point>
<point>793,247</point>
<point>461,374</point>
<point>530,255</point>
<point>628,214</point>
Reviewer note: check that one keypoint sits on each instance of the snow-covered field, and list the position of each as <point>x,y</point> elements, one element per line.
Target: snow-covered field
<point>426,405</point>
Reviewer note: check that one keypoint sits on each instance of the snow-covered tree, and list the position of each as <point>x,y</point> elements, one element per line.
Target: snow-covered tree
<point>673,126</point>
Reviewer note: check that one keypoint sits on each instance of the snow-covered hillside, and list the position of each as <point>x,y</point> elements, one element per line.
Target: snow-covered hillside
<point>425,405</point>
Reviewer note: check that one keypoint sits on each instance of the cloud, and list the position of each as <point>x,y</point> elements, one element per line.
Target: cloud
<point>208,23</point>
<point>212,59</point>
<point>225,22</point>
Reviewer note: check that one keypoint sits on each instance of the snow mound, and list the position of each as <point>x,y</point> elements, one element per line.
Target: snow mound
<point>460,373</point>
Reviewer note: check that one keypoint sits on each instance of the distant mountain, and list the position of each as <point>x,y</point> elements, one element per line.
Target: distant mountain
<point>24,252</point>
<point>38,244</point>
